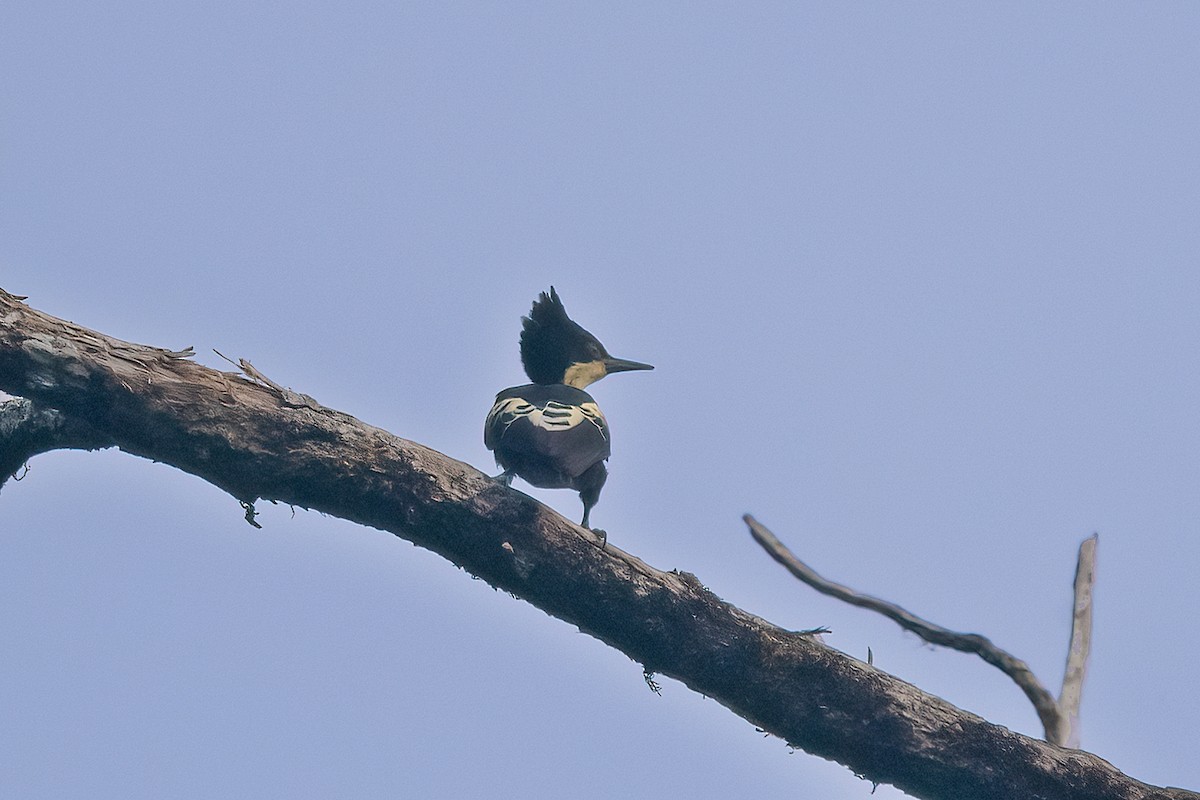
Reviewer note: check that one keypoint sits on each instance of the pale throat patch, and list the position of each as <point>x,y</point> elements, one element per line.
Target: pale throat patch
<point>581,374</point>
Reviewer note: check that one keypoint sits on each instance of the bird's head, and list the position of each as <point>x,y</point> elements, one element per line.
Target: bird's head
<point>556,349</point>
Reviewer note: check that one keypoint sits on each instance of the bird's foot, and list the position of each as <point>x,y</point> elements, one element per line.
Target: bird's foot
<point>602,536</point>
<point>504,478</point>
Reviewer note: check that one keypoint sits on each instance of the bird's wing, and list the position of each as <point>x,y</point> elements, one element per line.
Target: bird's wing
<point>571,436</point>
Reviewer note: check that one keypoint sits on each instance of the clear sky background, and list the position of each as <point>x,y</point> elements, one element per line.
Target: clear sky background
<point>920,281</point>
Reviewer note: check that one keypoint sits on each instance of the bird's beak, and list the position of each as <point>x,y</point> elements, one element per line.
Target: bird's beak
<point>612,365</point>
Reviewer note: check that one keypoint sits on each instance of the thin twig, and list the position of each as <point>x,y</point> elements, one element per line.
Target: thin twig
<point>1013,667</point>
<point>1081,644</point>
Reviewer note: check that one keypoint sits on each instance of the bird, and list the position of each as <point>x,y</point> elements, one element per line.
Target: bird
<point>550,432</point>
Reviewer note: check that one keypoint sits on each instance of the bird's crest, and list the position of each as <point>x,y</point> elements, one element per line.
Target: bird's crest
<point>551,341</point>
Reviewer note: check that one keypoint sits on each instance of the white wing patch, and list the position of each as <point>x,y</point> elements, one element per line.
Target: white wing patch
<point>555,416</point>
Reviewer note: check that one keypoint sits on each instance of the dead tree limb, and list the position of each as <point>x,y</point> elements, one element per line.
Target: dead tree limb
<point>1060,718</point>
<point>1080,646</point>
<point>253,441</point>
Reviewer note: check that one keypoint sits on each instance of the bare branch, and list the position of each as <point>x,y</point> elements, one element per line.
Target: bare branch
<point>248,440</point>
<point>1081,643</point>
<point>1010,665</point>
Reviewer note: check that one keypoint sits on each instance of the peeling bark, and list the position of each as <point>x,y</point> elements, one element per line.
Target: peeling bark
<point>256,440</point>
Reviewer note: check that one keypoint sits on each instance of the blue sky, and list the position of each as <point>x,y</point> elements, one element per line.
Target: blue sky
<point>920,283</point>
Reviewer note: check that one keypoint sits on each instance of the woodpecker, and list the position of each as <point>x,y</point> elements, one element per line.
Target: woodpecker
<point>550,432</point>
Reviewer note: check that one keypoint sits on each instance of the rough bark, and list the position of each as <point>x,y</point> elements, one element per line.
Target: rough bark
<point>255,440</point>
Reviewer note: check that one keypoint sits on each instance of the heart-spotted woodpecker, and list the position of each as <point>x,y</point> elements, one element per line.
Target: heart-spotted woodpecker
<point>551,432</point>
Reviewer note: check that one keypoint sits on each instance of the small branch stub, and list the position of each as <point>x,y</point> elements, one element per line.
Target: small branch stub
<point>251,513</point>
<point>1080,646</point>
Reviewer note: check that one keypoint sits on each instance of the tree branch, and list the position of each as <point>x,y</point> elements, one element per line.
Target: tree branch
<point>1081,644</point>
<point>254,441</point>
<point>1047,708</point>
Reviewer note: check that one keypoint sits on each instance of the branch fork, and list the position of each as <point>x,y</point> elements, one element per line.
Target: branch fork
<point>1060,717</point>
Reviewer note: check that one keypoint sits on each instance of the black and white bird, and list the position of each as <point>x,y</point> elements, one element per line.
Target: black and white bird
<point>550,432</point>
